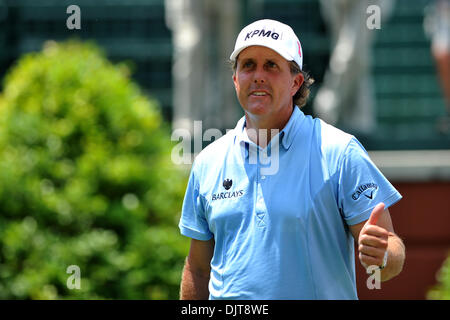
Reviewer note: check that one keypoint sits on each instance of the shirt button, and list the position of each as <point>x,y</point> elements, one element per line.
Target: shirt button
<point>263,177</point>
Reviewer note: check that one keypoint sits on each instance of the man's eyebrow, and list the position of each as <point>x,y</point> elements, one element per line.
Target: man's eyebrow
<point>252,60</point>
<point>247,60</point>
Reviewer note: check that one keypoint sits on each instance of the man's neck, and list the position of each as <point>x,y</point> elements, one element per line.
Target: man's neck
<point>261,130</point>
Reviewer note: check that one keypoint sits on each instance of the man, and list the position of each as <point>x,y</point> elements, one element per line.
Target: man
<point>437,26</point>
<point>285,233</point>
<point>347,96</point>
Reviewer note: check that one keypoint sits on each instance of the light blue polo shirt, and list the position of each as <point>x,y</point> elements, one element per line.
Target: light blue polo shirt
<point>283,234</point>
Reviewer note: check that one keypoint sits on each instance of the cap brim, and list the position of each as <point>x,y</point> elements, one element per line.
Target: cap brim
<point>237,51</point>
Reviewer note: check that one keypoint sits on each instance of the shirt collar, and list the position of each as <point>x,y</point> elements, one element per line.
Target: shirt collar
<point>291,128</point>
<point>287,134</point>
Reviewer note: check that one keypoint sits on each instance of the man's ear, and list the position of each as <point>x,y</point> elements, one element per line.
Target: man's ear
<point>235,80</point>
<point>298,81</point>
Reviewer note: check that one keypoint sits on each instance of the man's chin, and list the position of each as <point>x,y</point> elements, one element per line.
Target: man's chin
<point>258,109</point>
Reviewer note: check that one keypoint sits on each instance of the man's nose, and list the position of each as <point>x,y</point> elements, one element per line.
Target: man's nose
<point>259,75</point>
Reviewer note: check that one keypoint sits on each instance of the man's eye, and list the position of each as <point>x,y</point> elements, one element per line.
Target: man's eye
<point>248,64</point>
<point>271,64</point>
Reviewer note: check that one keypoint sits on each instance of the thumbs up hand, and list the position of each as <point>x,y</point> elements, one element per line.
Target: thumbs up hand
<point>373,239</point>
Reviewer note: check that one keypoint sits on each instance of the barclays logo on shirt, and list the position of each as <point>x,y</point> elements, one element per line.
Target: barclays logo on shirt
<point>227,183</point>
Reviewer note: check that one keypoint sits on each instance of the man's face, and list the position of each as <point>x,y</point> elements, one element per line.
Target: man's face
<point>264,83</point>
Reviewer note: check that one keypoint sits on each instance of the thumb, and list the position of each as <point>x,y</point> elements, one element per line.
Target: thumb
<point>376,213</point>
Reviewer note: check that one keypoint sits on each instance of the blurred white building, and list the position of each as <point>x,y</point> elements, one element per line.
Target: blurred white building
<point>204,32</point>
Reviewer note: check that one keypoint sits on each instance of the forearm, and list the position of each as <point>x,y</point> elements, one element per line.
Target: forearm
<point>396,258</point>
<point>194,285</point>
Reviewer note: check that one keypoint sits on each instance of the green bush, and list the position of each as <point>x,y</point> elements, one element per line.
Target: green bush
<point>442,290</point>
<point>86,179</point>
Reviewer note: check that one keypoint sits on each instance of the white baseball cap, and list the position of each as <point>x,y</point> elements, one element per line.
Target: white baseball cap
<point>271,34</point>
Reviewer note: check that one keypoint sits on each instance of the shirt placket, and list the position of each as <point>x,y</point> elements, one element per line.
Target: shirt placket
<point>260,205</point>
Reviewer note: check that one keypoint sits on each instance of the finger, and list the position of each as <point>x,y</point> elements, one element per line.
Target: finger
<point>376,231</point>
<point>372,241</point>
<point>370,261</point>
<point>377,253</point>
<point>376,213</point>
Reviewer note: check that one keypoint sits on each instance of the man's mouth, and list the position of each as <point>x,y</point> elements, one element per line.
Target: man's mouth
<point>259,93</point>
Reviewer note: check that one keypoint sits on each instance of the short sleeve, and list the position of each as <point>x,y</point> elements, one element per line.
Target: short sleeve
<point>193,223</point>
<point>361,185</point>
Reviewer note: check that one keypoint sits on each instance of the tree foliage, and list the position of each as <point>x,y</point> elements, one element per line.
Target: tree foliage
<point>441,291</point>
<point>86,179</point>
